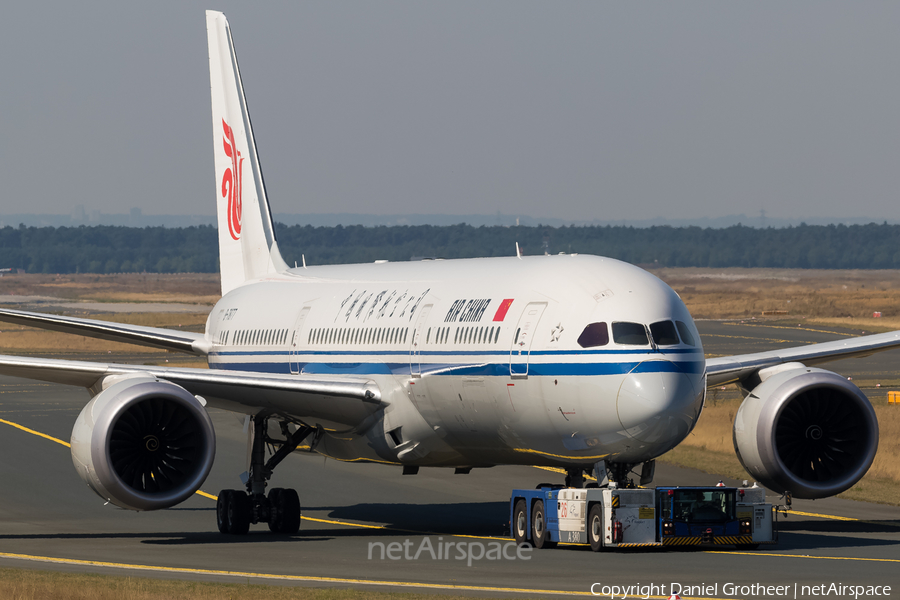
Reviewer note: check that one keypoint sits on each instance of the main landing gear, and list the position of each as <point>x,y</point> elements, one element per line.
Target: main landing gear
<point>237,509</point>
<point>609,472</point>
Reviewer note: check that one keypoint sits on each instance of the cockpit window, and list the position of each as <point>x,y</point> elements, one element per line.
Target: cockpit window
<point>595,334</point>
<point>664,334</point>
<point>630,334</point>
<point>685,332</point>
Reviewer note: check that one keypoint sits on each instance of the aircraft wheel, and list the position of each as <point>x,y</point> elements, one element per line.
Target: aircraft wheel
<point>520,523</point>
<point>595,527</point>
<point>290,516</point>
<point>222,504</point>
<point>238,511</point>
<point>275,510</point>
<point>539,533</point>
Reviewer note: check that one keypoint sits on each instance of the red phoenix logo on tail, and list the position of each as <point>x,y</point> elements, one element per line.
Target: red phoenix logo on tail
<point>231,182</point>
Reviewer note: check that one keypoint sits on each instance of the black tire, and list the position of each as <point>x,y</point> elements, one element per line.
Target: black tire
<point>222,504</point>
<point>275,510</point>
<point>595,527</point>
<point>519,523</point>
<point>539,534</point>
<point>290,516</point>
<point>239,510</point>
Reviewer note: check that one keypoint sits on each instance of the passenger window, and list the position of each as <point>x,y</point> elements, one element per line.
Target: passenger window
<point>664,334</point>
<point>595,334</point>
<point>685,332</point>
<point>630,334</point>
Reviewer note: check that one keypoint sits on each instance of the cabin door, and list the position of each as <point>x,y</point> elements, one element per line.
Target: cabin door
<point>523,338</point>
<point>295,341</point>
<point>418,341</point>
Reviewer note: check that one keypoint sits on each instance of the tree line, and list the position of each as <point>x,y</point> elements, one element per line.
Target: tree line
<point>111,249</point>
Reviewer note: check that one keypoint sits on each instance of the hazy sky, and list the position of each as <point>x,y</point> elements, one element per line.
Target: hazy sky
<point>578,110</point>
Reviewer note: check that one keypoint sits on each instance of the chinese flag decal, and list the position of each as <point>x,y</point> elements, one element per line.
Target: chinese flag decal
<point>502,309</point>
<point>231,182</point>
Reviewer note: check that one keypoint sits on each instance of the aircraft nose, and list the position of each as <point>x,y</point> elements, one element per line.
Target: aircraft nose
<point>658,403</point>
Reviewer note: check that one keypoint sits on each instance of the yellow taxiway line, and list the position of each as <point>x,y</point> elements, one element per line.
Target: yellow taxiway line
<point>37,433</point>
<point>314,579</point>
<point>482,537</point>
<point>776,555</point>
<point>328,521</point>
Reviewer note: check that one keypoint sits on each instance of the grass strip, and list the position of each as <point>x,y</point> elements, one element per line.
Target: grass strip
<point>29,584</point>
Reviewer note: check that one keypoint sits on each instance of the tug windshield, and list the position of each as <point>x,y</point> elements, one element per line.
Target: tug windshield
<point>700,506</point>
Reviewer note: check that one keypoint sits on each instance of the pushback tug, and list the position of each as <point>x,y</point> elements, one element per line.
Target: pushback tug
<point>611,517</point>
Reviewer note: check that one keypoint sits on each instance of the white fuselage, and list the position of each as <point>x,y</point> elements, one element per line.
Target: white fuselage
<point>478,360</point>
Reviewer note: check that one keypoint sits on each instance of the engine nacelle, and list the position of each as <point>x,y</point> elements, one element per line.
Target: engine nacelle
<point>806,430</point>
<point>143,444</point>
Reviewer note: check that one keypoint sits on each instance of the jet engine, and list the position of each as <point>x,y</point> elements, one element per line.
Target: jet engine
<point>143,443</point>
<point>805,430</point>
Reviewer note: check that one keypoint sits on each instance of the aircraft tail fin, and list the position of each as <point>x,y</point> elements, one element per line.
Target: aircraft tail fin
<point>247,246</point>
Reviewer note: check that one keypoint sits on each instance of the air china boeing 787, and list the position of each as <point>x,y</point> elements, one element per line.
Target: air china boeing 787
<point>573,361</point>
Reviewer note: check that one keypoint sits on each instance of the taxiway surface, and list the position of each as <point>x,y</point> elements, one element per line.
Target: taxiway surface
<point>47,512</point>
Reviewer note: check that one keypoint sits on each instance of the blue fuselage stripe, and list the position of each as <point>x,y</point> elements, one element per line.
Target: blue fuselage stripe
<point>486,369</point>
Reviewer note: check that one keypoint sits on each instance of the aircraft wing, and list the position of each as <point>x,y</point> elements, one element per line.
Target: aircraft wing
<point>341,399</point>
<point>728,369</point>
<point>156,337</point>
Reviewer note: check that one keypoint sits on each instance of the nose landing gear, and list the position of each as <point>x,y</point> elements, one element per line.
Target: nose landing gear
<point>237,509</point>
